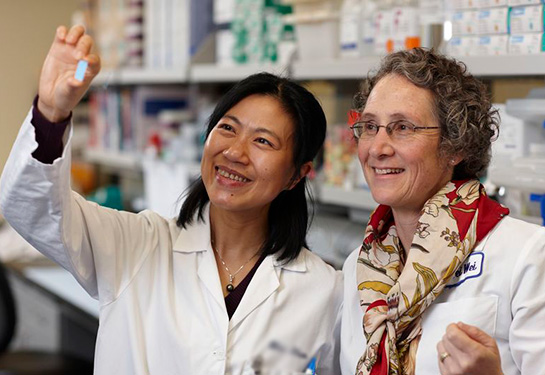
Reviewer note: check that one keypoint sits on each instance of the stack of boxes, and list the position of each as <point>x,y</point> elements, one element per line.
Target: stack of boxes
<point>377,27</point>
<point>496,27</point>
<point>251,31</point>
<point>526,24</point>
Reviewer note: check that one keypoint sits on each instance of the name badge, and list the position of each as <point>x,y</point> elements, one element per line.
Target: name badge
<point>471,268</point>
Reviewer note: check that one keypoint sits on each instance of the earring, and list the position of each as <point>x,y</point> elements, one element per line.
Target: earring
<point>452,161</point>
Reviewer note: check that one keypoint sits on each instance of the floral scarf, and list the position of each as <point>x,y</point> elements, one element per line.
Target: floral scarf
<point>394,292</point>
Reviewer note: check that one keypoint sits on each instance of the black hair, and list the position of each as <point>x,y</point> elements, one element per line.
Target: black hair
<point>288,218</point>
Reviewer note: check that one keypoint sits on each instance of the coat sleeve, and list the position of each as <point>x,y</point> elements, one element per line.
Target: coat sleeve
<point>101,247</point>
<point>527,331</point>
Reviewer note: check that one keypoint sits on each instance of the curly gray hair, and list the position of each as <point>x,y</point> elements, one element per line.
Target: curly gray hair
<point>467,119</point>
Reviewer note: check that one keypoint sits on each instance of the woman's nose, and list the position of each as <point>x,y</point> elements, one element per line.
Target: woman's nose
<point>237,151</point>
<point>381,144</point>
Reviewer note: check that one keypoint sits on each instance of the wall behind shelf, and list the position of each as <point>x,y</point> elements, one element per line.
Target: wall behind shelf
<point>27,29</point>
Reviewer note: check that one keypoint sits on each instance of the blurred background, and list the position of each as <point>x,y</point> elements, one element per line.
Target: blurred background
<point>138,133</point>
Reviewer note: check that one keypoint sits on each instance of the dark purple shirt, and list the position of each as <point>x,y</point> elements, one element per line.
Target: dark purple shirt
<point>48,135</point>
<point>50,146</point>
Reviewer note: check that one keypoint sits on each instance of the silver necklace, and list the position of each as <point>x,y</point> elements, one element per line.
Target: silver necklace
<point>230,287</point>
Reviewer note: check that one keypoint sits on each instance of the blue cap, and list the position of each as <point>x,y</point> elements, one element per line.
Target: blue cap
<point>311,368</point>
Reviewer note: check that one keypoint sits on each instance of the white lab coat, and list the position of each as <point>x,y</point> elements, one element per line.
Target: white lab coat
<point>162,310</point>
<point>500,289</point>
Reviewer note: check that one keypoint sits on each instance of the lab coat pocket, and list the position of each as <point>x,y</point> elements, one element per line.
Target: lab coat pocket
<point>480,312</point>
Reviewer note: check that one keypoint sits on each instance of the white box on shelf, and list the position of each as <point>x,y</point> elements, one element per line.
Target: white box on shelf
<point>224,11</point>
<point>462,45</point>
<point>383,21</point>
<point>350,28</point>
<point>317,37</point>
<point>491,45</point>
<point>225,41</point>
<point>405,26</point>
<point>526,19</point>
<point>526,44</point>
<point>493,21</point>
<point>464,22</point>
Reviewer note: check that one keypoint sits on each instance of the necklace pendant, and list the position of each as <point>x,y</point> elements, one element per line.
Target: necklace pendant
<point>230,288</point>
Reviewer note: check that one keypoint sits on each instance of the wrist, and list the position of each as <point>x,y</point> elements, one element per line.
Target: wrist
<point>52,114</point>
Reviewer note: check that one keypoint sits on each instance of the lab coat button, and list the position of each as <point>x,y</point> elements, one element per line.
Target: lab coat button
<point>219,354</point>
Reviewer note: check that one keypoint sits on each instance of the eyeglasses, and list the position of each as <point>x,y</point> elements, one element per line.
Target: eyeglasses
<point>397,130</point>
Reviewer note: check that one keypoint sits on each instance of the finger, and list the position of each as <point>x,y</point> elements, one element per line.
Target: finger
<point>445,365</point>
<point>477,335</point>
<point>94,65</point>
<point>83,47</point>
<point>60,33</point>
<point>74,34</point>
<point>460,340</point>
<point>74,83</point>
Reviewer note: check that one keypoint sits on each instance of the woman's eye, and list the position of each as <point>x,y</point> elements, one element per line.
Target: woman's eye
<point>225,127</point>
<point>264,141</point>
<point>402,127</point>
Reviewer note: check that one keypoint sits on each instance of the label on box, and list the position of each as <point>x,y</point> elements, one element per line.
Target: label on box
<point>491,45</point>
<point>525,44</point>
<point>493,21</point>
<point>526,19</point>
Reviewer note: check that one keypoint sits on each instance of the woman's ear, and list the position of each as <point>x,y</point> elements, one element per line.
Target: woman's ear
<point>303,172</point>
<point>455,160</point>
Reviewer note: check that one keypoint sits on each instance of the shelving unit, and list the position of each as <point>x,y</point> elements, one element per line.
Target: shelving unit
<point>212,73</point>
<point>335,69</point>
<point>357,68</point>
<point>118,160</point>
<point>338,69</point>
<point>508,65</point>
<point>135,76</point>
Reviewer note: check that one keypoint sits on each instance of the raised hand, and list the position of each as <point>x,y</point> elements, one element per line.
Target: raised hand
<point>467,350</point>
<point>59,92</point>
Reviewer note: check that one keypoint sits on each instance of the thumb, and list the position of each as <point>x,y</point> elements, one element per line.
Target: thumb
<point>478,335</point>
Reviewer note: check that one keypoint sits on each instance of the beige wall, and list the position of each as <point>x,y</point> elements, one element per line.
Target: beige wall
<point>27,28</point>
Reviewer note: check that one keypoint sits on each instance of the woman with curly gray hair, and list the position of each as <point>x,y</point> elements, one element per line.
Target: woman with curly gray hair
<point>444,282</point>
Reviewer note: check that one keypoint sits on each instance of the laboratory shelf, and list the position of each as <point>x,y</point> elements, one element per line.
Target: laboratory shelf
<point>212,73</point>
<point>138,76</point>
<point>129,161</point>
<point>347,68</point>
<point>482,66</point>
<point>113,159</point>
<point>507,65</point>
<point>356,198</point>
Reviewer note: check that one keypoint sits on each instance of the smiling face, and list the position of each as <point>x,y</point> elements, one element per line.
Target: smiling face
<point>402,174</point>
<point>248,156</point>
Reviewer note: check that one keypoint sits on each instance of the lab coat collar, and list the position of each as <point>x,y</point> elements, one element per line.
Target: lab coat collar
<point>197,238</point>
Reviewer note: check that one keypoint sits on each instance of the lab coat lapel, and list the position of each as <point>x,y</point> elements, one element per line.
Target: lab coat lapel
<point>196,239</point>
<point>264,283</point>
<point>208,274</point>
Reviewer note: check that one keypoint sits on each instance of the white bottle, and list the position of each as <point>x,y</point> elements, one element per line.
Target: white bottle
<point>349,28</point>
<point>367,36</point>
<point>382,25</point>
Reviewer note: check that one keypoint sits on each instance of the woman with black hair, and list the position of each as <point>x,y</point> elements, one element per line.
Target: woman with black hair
<point>227,288</point>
